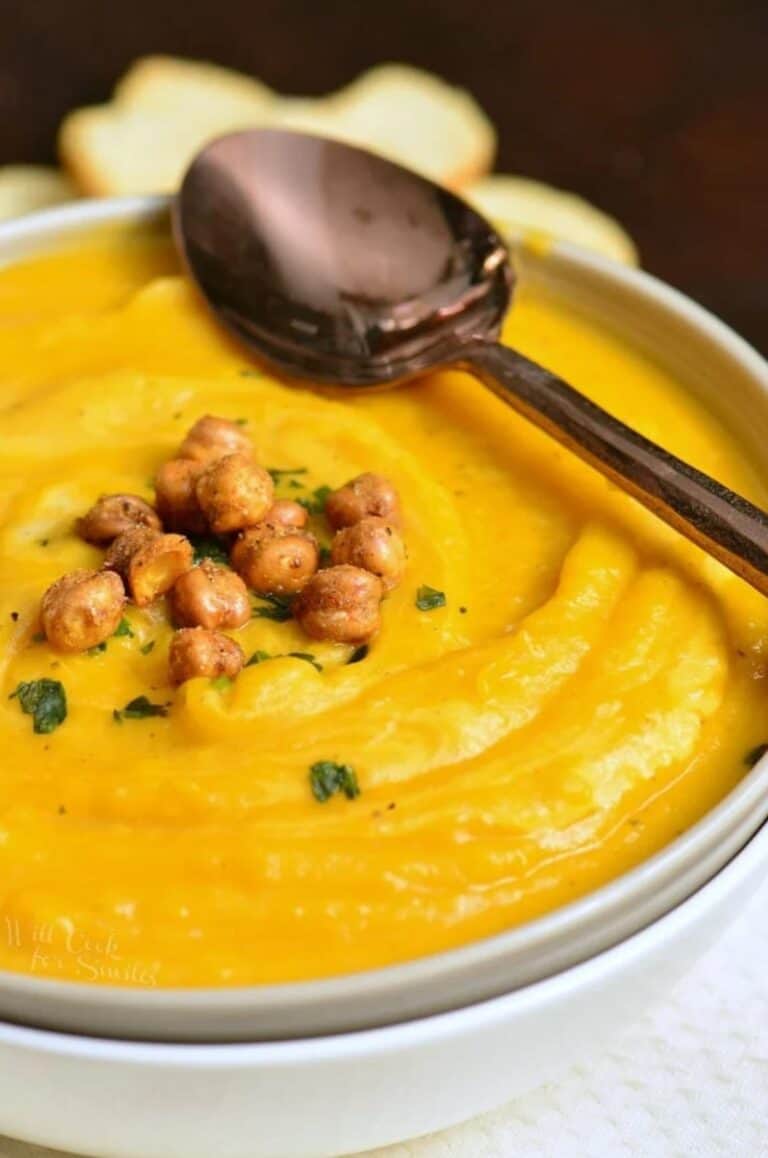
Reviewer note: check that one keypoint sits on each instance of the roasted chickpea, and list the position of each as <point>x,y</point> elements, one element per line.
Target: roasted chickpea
<point>149,563</point>
<point>176,498</point>
<point>82,609</point>
<point>114,514</point>
<point>275,560</point>
<point>195,651</point>
<point>233,493</point>
<point>212,438</point>
<point>368,494</point>
<point>376,546</point>
<point>121,551</point>
<point>287,513</point>
<point>340,603</point>
<point>210,596</point>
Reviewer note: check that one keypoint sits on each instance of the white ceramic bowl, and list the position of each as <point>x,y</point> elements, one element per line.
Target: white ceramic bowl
<point>601,959</point>
<point>703,354</point>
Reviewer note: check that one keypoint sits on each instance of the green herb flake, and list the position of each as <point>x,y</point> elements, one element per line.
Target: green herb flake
<point>140,709</point>
<point>305,655</point>
<point>222,683</point>
<point>324,556</point>
<point>148,647</point>
<point>327,778</point>
<point>278,608</point>
<point>123,629</point>
<point>209,547</point>
<point>278,473</point>
<point>99,649</point>
<point>755,754</point>
<point>314,503</point>
<point>241,421</point>
<point>46,701</point>
<point>258,657</point>
<point>428,598</point>
<point>38,637</point>
<point>359,654</point>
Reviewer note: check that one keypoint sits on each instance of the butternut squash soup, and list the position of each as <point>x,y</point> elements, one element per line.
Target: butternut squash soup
<point>555,686</point>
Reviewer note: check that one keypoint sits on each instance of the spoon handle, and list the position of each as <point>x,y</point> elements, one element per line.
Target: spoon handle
<point>724,524</point>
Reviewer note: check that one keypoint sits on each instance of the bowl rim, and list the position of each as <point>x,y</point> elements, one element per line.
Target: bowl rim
<point>60,223</point>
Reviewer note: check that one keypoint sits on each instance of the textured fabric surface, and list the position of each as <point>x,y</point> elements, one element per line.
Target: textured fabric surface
<point>690,1080</point>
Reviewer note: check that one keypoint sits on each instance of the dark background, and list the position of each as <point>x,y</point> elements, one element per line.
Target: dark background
<point>656,112</point>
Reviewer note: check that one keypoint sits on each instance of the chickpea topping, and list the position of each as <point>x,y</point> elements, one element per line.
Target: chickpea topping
<point>368,494</point>
<point>376,546</point>
<point>274,559</point>
<point>82,609</point>
<point>124,547</point>
<point>234,493</point>
<point>176,497</point>
<point>210,596</point>
<point>287,513</point>
<point>195,651</point>
<point>149,563</point>
<point>211,438</point>
<point>114,514</point>
<point>340,603</point>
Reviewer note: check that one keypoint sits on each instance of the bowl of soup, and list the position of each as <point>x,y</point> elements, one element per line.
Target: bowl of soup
<point>555,733</point>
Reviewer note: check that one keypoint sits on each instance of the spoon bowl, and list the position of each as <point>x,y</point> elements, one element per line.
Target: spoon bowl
<point>342,268</point>
<point>335,263</point>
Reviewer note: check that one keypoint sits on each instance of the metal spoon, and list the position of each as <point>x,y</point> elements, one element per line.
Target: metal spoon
<point>340,267</point>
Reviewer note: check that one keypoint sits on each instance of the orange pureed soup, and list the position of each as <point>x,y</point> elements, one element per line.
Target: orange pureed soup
<point>591,687</point>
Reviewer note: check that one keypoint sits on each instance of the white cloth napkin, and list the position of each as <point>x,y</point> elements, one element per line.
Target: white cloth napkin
<point>688,1081</point>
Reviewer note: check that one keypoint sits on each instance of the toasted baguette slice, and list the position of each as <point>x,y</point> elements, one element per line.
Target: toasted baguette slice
<point>520,207</point>
<point>405,114</point>
<point>164,110</point>
<point>25,188</point>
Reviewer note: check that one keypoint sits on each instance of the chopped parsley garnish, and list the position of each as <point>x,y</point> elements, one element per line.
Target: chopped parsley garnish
<point>258,657</point>
<point>326,778</point>
<point>280,472</point>
<point>123,628</point>
<point>209,547</point>
<point>241,421</point>
<point>262,656</point>
<point>278,607</point>
<point>45,700</point>
<point>324,556</point>
<point>305,655</point>
<point>38,637</point>
<point>221,683</point>
<point>148,647</point>
<point>314,503</point>
<point>359,654</point>
<point>428,598</point>
<point>139,709</point>
<point>98,649</point>
<point>755,754</point>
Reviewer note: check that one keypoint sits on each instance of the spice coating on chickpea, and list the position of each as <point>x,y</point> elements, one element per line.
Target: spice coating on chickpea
<point>210,596</point>
<point>82,609</point>
<point>156,565</point>
<point>112,515</point>
<point>287,513</point>
<point>176,498</point>
<point>233,493</point>
<point>275,560</point>
<point>376,546</point>
<point>195,651</point>
<point>148,562</point>
<point>341,604</point>
<point>124,547</point>
<point>211,438</point>
<point>368,494</point>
